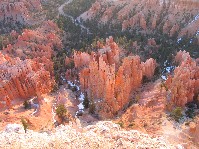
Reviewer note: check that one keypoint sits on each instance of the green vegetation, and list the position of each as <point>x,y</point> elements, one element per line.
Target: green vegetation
<point>5,39</point>
<point>77,7</point>
<point>131,125</point>
<point>121,124</point>
<point>59,67</point>
<point>190,109</point>
<point>50,8</point>
<point>74,88</point>
<point>61,111</point>
<point>74,38</point>
<point>27,104</point>
<point>86,102</point>
<point>25,124</point>
<point>167,46</point>
<point>92,107</point>
<point>8,27</point>
<point>177,114</point>
<point>163,85</point>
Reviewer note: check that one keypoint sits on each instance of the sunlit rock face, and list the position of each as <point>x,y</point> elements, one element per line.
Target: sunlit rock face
<point>26,65</point>
<point>171,17</point>
<point>22,79</point>
<point>105,76</point>
<point>18,11</point>
<point>36,44</point>
<point>184,85</point>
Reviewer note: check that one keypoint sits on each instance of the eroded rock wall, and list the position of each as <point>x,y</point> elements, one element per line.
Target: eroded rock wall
<point>22,79</point>
<point>171,17</point>
<point>103,80</point>
<point>184,85</point>
<point>18,11</point>
<point>37,44</point>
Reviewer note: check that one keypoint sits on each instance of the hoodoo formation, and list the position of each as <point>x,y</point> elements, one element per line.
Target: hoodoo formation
<point>99,74</point>
<point>146,14</point>
<point>18,11</point>
<point>184,85</point>
<point>22,79</point>
<point>102,79</point>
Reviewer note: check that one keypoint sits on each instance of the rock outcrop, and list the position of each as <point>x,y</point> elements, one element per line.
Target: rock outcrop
<point>104,78</point>
<point>18,11</point>
<point>36,44</point>
<point>22,79</point>
<point>26,65</point>
<point>166,16</point>
<point>184,85</point>
<point>100,135</point>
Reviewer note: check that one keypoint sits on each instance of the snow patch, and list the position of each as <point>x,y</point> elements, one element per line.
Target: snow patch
<point>34,105</point>
<point>168,70</point>
<point>197,33</point>
<point>179,39</point>
<point>81,106</point>
<point>73,85</point>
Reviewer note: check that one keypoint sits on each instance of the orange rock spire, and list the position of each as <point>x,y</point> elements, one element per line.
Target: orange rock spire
<point>184,85</point>
<point>102,80</point>
<point>23,79</point>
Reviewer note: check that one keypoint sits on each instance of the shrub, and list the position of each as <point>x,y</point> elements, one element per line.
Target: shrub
<point>55,87</point>
<point>92,107</point>
<point>86,102</point>
<point>61,111</point>
<point>131,124</point>
<point>190,111</point>
<point>27,104</point>
<point>121,124</point>
<point>145,79</point>
<point>74,88</point>
<point>177,113</point>
<point>137,98</point>
<point>25,124</point>
<point>163,85</point>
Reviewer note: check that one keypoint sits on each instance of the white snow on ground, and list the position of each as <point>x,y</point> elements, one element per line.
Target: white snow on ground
<point>168,70</point>
<point>197,33</point>
<point>34,105</point>
<point>103,135</point>
<point>81,97</point>
<point>73,85</point>
<point>81,106</point>
<point>179,39</point>
<point>163,77</point>
<point>195,18</point>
